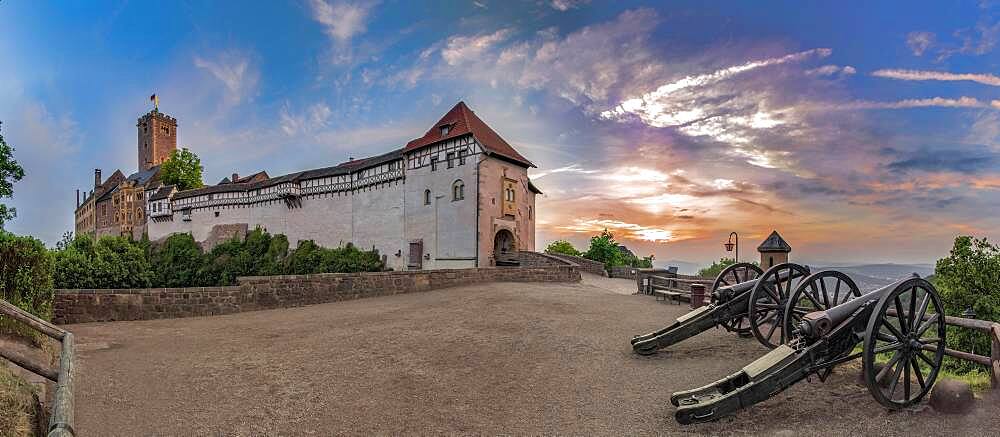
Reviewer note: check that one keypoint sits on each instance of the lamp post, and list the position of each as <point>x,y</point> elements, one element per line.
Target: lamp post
<point>729,245</point>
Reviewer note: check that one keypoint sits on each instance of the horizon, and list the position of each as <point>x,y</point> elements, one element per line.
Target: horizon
<point>862,135</point>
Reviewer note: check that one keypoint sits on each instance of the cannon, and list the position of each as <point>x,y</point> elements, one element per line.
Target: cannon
<point>900,326</point>
<point>728,307</point>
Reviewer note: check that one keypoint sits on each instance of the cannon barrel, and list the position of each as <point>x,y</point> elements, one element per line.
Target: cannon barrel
<point>742,287</point>
<point>818,323</point>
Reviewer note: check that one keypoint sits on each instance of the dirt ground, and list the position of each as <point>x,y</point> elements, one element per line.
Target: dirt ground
<point>513,359</point>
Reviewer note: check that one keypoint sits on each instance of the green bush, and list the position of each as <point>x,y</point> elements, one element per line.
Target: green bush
<point>969,278</point>
<point>605,249</point>
<point>109,262</point>
<point>717,267</point>
<point>310,258</point>
<point>177,262</point>
<point>562,247</point>
<point>25,278</point>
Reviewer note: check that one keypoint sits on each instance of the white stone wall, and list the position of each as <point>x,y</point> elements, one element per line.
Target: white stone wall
<point>384,215</point>
<point>446,226</point>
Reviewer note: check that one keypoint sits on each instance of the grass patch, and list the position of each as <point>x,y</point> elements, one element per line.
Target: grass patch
<point>17,405</point>
<point>978,379</point>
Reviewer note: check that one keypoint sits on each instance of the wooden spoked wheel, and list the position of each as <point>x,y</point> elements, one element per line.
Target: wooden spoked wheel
<point>817,292</point>
<point>734,274</point>
<point>766,309</point>
<point>906,333</point>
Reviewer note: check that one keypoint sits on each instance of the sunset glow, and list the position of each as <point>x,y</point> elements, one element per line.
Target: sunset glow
<point>669,125</point>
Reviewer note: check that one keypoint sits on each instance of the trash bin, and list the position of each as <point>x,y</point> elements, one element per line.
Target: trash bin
<point>697,295</point>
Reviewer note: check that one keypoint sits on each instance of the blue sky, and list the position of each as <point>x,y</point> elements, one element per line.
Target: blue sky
<point>863,131</point>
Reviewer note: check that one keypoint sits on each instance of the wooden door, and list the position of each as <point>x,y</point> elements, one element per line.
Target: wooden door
<point>416,255</point>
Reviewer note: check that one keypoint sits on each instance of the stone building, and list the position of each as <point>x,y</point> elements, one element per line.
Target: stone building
<point>773,251</point>
<point>458,196</point>
<point>117,206</point>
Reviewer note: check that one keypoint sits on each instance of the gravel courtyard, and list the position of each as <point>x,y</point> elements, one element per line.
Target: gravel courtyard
<point>504,358</point>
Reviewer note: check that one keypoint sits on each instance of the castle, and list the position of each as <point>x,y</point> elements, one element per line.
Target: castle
<point>117,206</point>
<point>458,196</point>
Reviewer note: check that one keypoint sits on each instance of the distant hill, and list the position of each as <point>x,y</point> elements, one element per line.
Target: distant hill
<point>871,276</point>
<point>683,267</point>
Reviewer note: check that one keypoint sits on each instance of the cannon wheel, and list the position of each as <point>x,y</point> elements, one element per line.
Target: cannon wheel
<point>766,309</point>
<point>817,292</point>
<point>734,274</point>
<point>907,326</point>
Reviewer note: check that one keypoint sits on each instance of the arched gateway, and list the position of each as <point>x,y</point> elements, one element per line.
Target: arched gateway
<point>504,246</point>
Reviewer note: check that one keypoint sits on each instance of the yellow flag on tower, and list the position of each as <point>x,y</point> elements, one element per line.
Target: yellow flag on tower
<point>155,100</point>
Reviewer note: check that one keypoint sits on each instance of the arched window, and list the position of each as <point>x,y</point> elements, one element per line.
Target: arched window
<point>458,190</point>
<point>427,197</point>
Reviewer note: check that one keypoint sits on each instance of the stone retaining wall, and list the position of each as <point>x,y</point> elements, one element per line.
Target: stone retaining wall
<point>586,265</point>
<point>268,292</point>
<point>535,259</point>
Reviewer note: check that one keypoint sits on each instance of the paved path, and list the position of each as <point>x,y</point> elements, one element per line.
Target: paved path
<point>512,359</point>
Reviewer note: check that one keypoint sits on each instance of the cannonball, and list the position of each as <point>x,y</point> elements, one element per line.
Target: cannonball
<point>952,396</point>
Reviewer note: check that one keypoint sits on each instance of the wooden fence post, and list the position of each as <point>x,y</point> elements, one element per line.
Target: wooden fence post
<point>995,357</point>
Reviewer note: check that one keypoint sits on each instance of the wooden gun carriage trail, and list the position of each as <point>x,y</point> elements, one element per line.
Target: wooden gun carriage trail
<point>812,323</point>
<point>734,294</point>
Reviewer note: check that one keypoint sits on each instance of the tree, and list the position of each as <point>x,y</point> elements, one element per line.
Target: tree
<point>182,169</point>
<point>25,279</point>
<point>67,239</point>
<point>10,172</point>
<point>716,268</point>
<point>177,262</point>
<point>969,277</point>
<point>562,247</point>
<point>605,249</point>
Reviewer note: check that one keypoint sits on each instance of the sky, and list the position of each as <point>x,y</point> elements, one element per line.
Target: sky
<point>861,131</point>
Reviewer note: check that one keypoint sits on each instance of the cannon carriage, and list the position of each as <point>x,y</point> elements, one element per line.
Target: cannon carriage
<point>900,327</point>
<point>733,292</point>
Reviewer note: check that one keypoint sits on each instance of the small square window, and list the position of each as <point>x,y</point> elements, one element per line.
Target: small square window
<point>451,159</point>
<point>445,130</point>
<point>434,163</point>
<point>461,157</point>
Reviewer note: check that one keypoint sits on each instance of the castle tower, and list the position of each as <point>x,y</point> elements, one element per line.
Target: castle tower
<point>773,251</point>
<point>157,138</point>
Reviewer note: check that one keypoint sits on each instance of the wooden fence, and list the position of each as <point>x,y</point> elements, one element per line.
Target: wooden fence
<point>61,419</point>
<point>991,362</point>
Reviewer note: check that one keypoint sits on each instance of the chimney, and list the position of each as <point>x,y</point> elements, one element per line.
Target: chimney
<point>78,198</point>
<point>97,177</point>
<point>235,177</point>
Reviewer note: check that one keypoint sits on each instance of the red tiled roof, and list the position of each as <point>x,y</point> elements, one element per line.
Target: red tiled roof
<point>462,121</point>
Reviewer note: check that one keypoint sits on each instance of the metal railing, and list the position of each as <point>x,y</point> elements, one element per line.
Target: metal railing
<point>61,418</point>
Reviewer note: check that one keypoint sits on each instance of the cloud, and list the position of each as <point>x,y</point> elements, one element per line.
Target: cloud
<point>831,70</point>
<point>235,72</point>
<point>656,108</point>
<point>960,160</point>
<point>715,106</point>
<point>314,118</point>
<point>572,168</point>
<point>461,49</point>
<point>341,20</point>
<point>46,146</point>
<point>919,42</point>
<point>983,78</point>
<point>942,102</point>
<point>565,5</point>
<point>622,229</point>
<point>975,41</point>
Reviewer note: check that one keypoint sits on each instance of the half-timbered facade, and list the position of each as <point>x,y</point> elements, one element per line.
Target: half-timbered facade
<point>457,197</point>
